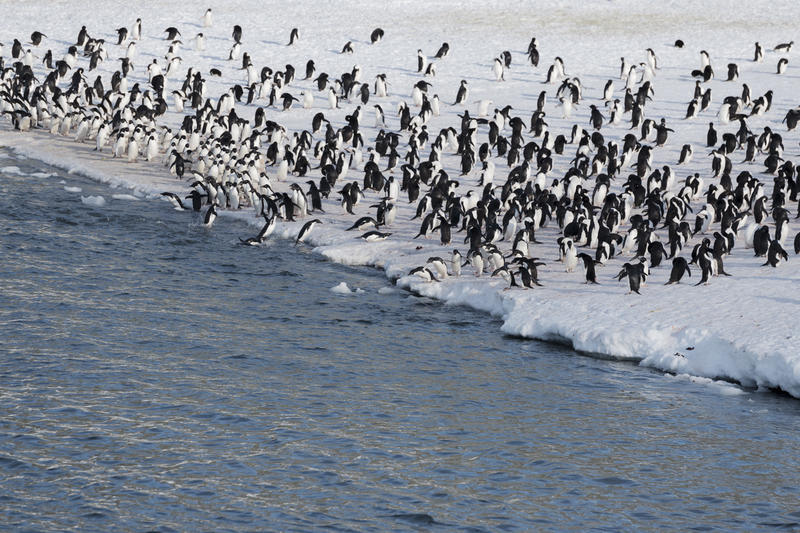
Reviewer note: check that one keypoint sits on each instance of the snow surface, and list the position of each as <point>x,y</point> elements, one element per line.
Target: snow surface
<point>739,328</point>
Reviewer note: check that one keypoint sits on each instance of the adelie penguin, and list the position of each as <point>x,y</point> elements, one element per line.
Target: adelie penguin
<point>306,230</point>
<point>210,216</point>
<point>374,236</point>
<point>588,265</point>
<point>293,36</point>
<point>266,231</point>
<point>775,254</point>
<point>782,63</point>
<point>462,94</point>
<point>635,274</point>
<point>376,35</point>
<point>679,268</point>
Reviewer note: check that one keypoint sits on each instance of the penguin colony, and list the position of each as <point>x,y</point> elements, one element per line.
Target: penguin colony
<point>492,189</point>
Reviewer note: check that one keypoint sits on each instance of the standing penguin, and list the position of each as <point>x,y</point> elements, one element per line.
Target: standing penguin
<point>136,30</point>
<point>782,63</point>
<point>596,118</point>
<point>588,265</point>
<point>759,53</point>
<point>711,135</point>
<point>463,93</point>
<point>499,70</point>
<point>422,61</point>
<point>733,72</point>
<point>635,274</point>
<point>293,36</point>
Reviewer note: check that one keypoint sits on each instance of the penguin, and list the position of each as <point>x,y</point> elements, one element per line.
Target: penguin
<point>306,230</point>
<point>443,51</point>
<point>175,200</point>
<point>608,91</point>
<point>498,69</point>
<point>362,223</point>
<point>136,30</point>
<point>422,61</point>
<point>679,268</point>
<point>172,33</point>
<point>588,265</point>
<point>711,135</point>
<point>347,48</point>
<point>463,92</point>
<point>36,38</point>
<point>782,63</point>
<point>374,236</point>
<point>439,265</point>
<point>376,35</point>
<point>733,72</point>
<point>293,36</point>
<point>635,275</point>
<point>569,254</point>
<point>759,53</point>
<point>210,216</point>
<point>775,254</point>
<point>455,262</point>
<point>207,18</point>
<point>596,118</point>
<point>686,154</point>
<point>266,231</point>
<point>237,34</point>
<point>784,47</point>
<point>761,241</point>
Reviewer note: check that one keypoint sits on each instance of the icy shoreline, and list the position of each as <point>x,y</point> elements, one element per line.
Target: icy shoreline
<point>578,319</point>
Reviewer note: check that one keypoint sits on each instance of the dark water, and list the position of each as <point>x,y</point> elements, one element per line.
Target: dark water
<point>156,376</point>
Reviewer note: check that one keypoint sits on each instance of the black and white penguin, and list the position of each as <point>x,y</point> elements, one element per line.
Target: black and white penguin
<point>686,154</point>
<point>775,254</point>
<point>210,216</point>
<point>306,230</point>
<point>374,236</point>
<point>175,200</point>
<point>679,268</point>
<point>711,135</point>
<point>635,274</point>
<point>293,36</point>
<point>588,265</point>
<point>759,53</point>
<point>782,63</point>
<point>462,94</point>
<point>376,35</point>
<point>266,231</point>
<point>784,47</point>
<point>455,263</point>
<point>761,241</point>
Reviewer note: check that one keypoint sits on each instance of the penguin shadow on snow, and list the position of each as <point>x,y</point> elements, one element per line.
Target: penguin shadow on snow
<point>777,299</point>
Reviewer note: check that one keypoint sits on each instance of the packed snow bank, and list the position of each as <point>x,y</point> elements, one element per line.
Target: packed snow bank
<point>739,328</point>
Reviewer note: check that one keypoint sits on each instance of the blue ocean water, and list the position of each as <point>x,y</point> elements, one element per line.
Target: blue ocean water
<point>156,375</point>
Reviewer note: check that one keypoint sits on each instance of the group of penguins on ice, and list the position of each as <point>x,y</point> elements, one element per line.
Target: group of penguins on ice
<point>235,163</point>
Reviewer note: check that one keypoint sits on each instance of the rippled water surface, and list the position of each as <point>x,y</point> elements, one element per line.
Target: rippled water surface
<point>155,375</point>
